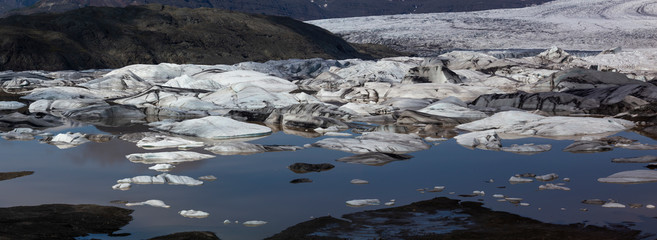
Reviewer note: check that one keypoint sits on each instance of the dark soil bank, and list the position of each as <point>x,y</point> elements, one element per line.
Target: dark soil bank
<point>102,37</point>
<point>60,221</point>
<point>444,218</point>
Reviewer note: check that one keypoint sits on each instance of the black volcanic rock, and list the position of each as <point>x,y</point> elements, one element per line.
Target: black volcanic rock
<point>444,218</point>
<point>102,37</point>
<point>298,9</point>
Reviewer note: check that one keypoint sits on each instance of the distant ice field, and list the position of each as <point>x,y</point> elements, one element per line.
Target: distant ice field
<point>588,25</point>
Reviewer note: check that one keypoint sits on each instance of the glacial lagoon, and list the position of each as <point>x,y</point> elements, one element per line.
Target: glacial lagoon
<point>257,186</point>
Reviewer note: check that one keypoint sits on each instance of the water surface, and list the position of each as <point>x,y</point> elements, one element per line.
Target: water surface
<point>257,187</point>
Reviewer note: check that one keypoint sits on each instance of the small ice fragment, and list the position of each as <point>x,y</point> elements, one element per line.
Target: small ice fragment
<point>125,180</point>
<point>208,178</point>
<point>121,186</point>
<point>566,179</point>
<point>524,204</point>
<point>162,167</point>
<point>254,223</point>
<point>513,200</point>
<point>390,203</point>
<point>514,180</point>
<point>152,202</point>
<point>551,186</point>
<point>613,205</point>
<point>498,196</point>
<point>359,181</point>
<point>194,214</point>
<point>650,206</point>
<point>363,202</point>
<point>227,221</point>
<point>436,189</point>
<point>478,193</point>
<point>563,209</point>
<point>547,177</point>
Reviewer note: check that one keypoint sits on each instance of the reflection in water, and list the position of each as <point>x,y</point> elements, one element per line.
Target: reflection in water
<point>258,186</point>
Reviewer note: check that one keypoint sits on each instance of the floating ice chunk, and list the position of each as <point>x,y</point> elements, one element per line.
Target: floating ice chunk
<point>529,148</point>
<point>236,148</point>
<point>68,140</point>
<point>167,157</point>
<point>152,202</point>
<point>121,186</point>
<point>359,181</point>
<point>513,200</point>
<point>161,142</point>
<point>193,214</point>
<point>337,134</point>
<point>125,180</point>
<point>514,180</point>
<point>498,196</point>
<point>142,180</point>
<point>159,179</point>
<point>478,193</point>
<point>635,176</point>
<point>363,202</point>
<point>613,205</point>
<point>436,189</point>
<point>643,159</point>
<point>375,142</point>
<point>650,206</point>
<point>181,180</point>
<point>162,167</point>
<point>488,140</point>
<point>254,223</point>
<point>524,204</point>
<point>529,124</point>
<point>11,105</point>
<point>551,186</point>
<point>208,178</point>
<point>227,221</point>
<point>20,134</point>
<point>547,177</point>
<point>213,127</point>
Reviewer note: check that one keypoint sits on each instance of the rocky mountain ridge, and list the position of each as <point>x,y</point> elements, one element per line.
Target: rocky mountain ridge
<point>102,37</point>
<point>298,9</point>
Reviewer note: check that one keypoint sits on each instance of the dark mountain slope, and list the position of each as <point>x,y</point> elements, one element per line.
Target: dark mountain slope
<point>100,37</point>
<point>298,9</point>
